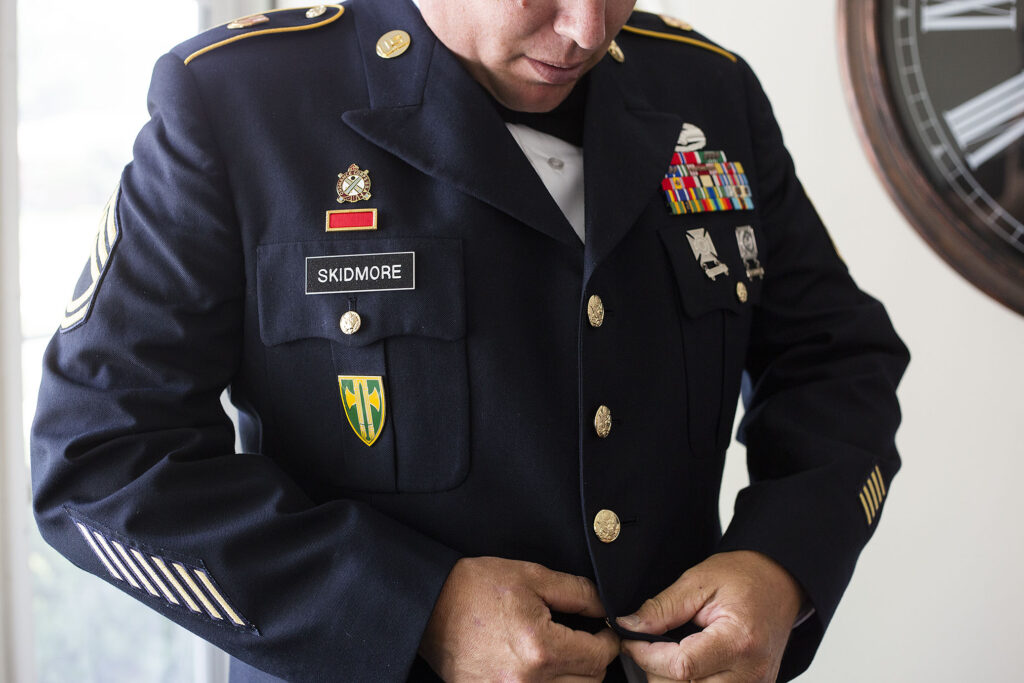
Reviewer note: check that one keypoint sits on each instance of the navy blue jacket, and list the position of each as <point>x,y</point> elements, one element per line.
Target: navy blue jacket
<point>310,555</point>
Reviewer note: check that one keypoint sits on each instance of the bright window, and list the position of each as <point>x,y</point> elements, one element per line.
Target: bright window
<point>83,73</point>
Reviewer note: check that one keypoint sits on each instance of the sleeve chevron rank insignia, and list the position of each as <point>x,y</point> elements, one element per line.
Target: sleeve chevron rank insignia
<point>78,310</point>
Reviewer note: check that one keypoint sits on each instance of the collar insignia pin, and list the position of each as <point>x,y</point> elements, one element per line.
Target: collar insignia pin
<point>616,52</point>
<point>393,44</point>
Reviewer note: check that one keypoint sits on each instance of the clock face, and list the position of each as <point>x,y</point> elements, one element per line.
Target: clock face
<point>940,90</point>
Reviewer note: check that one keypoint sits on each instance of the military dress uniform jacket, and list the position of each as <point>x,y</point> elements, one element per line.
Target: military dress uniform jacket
<point>480,366</point>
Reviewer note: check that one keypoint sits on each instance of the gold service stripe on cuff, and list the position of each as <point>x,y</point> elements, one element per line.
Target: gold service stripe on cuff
<point>208,584</point>
<point>174,582</point>
<point>867,509</point>
<point>117,563</point>
<point>96,549</point>
<point>140,559</point>
<point>879,480</point>
<point>187,578</point>
<point>135,570</point>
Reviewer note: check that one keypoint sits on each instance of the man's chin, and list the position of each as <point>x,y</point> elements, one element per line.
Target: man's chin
<point>535,99</point>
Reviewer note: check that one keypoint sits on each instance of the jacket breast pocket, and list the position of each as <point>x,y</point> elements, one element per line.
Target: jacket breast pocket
<point>377,335</point>
<point>718,289</point>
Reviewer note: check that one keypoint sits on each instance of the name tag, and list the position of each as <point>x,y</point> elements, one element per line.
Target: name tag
<point>360,273</point>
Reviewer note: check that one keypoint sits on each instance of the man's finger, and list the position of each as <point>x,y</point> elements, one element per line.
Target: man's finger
<point>568,593</point>
<point>578,653</point>
<point>696,657</point>
<point>670,608</point>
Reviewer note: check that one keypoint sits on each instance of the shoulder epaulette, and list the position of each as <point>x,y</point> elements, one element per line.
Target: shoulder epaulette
<point>268,23</point>
<point>667,22</point>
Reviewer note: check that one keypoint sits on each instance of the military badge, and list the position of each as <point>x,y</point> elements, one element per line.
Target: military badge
<point>705,181</point>
<point>353,185</point>
<point>691,139</point>
<point>706,254</point>
<point>748,251</point>
<point>351,219</point>
<point>363,400</point>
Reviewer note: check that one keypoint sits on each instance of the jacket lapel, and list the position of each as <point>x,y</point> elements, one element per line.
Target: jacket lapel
<point>427,110</point>
<point>628,147</point>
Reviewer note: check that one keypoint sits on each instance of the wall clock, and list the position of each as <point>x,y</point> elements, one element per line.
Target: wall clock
<point>938,90</point>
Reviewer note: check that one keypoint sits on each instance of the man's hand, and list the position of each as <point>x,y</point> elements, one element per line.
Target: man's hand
<point>492,621</point>
<point>746,604</point>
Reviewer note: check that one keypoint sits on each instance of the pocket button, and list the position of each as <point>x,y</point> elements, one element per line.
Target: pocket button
<point>350,323</point>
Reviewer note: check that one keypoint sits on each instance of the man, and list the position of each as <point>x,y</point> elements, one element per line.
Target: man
<point>484,387</point>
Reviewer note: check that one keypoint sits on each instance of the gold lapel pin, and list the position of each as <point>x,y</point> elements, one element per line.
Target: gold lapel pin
<point>393,44</point>
<point>616,52</point>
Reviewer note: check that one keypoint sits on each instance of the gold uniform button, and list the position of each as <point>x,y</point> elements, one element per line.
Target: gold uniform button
<point>616,52</point>
<point>351,322</point>
<point>741,292</point>
<point>393,44</point>
<point>607,526</point>
<point>314,12</point>
<point>595,311</point>
<point>603,422</point>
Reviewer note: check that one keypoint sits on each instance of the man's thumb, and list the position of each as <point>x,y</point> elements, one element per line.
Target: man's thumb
<point>670,608</point>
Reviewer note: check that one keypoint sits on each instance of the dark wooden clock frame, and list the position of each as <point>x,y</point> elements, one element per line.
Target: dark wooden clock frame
<point>969,246</point>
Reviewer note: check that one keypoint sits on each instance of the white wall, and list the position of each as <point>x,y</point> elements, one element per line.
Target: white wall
<point>939,593</point>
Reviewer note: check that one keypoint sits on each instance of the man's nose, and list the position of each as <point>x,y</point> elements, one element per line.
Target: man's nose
<point>582,21</point>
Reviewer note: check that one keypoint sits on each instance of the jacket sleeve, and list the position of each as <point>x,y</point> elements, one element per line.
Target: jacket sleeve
<point>134,472</point>
<point>823,365</point>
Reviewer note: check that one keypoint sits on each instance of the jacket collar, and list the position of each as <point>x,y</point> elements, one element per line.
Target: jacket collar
<point>427,110</point>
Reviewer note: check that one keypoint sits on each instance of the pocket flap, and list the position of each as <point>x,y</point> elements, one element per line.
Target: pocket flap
<point>733,290</point>
<point>302,292</point>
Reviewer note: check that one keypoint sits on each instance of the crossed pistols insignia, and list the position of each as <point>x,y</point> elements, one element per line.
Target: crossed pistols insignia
<point>363,401</point>
<point>706,254</point>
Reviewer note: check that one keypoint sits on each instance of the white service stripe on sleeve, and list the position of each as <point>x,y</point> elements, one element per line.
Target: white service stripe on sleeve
<point>174,582</point>
<point>135,570</point>
<point>117,563</point>
<point>208,584</point>
<point>140,559</point>
<point>96,549</point>
<point>187,578</point>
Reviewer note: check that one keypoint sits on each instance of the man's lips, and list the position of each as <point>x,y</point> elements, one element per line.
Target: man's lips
<point>556,74</point>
